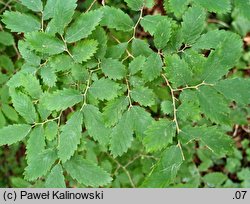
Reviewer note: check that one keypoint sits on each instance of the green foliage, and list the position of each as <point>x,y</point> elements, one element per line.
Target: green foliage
<point>109,96</point>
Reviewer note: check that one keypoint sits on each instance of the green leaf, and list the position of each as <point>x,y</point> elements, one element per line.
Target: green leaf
<point>143,95</point>
<point>6,38</point>
<point>167,107</point>
<point>222,6</point>
<point>63,12</point>
<point>13,133</point>
<point>61,62</point>
<point>19,22</point>
<point>177,71</point>
<point>159,135</point>
<point>99,34</point>
<point>45,43</point>
<point>213,104</point>
<point>2,120</point>
<point>117,19</point>
<point>51,130</point>
<point>41,165</point>
<point>141,120</point>
<point>6,63</point>
<point>162,34</point>
<point>220,60</point>
<point>193,24</point>
<point>137,64</point>
<point>48,76</point>
<point>86,172</point>
<point>116,51</point>
<point>150,22</point>
<point>24,106</point>
<point>152,67</point>
<point>135,5</point>
<point>84,50</point>
<point>140,47</point>
<point>165,170</point>
<point>55,178</point>
<point>83,26</point>
<point>30,83</point>
<point>176,6</point>
<point>114,109</point>
<point>211,137</point>
<point>34,5</point>
<point>122,135</point>
<point>214,179</point>
<point>61,99</point>
<point>236,89</point>
<point>104,89</point>
<point>70,137</point>
<point>35,143</point>
<point>113,68</point>
<point>49,9</point>
<point>29,56</point>
<point>94,123</point>
<point>9,112</point>
<point>243,6</point>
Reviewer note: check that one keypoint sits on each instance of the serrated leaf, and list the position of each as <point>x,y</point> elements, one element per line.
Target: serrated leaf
<point>13,133</point>
<point>136,64</point>
<point>49,9</point>
<point>41,165</point>
<point>177,71</point>
<point>19,22</point>
<point>122,135</point>
<point>116,18</point>
<point>45,43</point>
<point>104,89</point>
<point>29,55</point>
<point>152,67</point>
<point>214,179</point>
<point>61,99</point>
<point>235,89</point>
<point>94,123</point>
<point>140,47</point>
<point>193,24</point>
<point>114,109</point>
<point>61,62</point>
<point>48,76</point>
<point>243,6</point>
<point>116,51</point>
<point>63,12</point>
<point>141,120</point>
<point>24,106</point>
<point>149,22</point>
<point>6,38</point>
<point>135,5</point>
<point>86,172</point>
<point>165,170</point>
<point>213,104</point>
<point>167,107</point>
<point>222,6</point>
<point>55,178</point>
<point>84,50</point>
<point>35,143</point>
<point>99,34</point>
<point>162,34</point>
<point>6,63</point>
<point>9,112</point>
<point>143,95</point>
<point>113,68</point>
<point>83,26</point>
<point>34,5</point>
<point>212,137</point>
<point>159,135</point>
<point>30,83</point>
<point>70,137</point>
<point>176,6</point>
<point>51,130</point>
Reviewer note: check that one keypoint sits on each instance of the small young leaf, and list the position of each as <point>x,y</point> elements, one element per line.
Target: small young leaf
<point>51,130</point>
<point>162,34</point>
<point>136,64</point>
<point>113,68</point>
<point>135,5</point>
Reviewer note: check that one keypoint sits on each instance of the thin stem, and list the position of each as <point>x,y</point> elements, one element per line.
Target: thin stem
<point>42,23</point>
<point>182,154</point>
<point>136,25</point>
<point>6,5</point>
<point>194,87</point>
<point>174,104</point>
<point>129,91</point>
<point>66,48</point>
<point>91,5</point>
